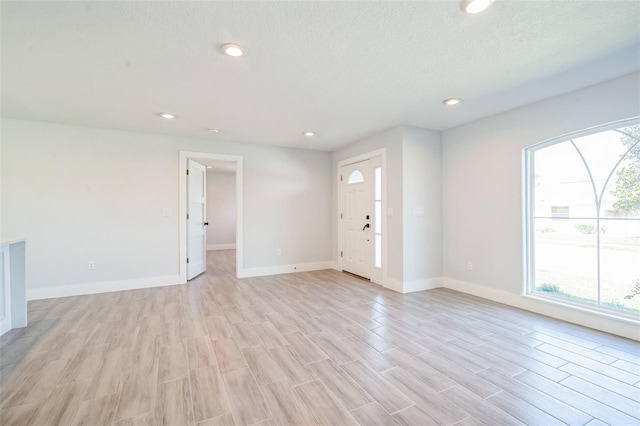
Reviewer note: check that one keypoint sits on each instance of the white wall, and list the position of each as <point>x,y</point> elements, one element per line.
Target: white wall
<point>414,180</point>
<point>422,189</point>
<point>482,188</point>
<point>221,210</point>
<point>80,194</point>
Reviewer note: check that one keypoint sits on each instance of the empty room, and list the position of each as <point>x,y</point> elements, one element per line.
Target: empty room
<point>320,213</point>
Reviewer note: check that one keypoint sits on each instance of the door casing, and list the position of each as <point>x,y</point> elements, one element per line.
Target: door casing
<point>5,290</point>
<point>182,250</point>
<point>377,276</point>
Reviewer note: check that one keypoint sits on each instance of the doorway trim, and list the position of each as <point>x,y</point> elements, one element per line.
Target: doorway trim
<point>182,210</point>
<point>362,157</point>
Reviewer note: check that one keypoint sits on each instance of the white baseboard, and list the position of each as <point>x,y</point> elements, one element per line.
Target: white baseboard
<point>603,322</point>
<point>481,291</point>
<point>100,287</point>
<point>412,286</point>
<point>420,285</point>
<point>392,284</point>
<point>285,269</point>
<point>598,321</point>
<point>221,246</point>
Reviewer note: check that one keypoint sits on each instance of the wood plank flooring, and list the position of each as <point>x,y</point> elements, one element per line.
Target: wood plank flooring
<point>308,348</point>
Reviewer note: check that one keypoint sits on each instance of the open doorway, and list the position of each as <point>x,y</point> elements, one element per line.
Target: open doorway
<point>221,204</point>
<point>218,163</point>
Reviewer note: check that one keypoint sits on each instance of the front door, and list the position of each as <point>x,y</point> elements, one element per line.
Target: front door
<point>357,218</point>
<point>196,213</point>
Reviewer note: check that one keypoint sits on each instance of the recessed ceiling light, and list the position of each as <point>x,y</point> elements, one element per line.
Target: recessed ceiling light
<point>209,167</point>
<point>167,115</point>
<point>308,133</point>
<point>475,6</point>
<point>214,130</point>
<point>232,50</point>
<point>452,101</point>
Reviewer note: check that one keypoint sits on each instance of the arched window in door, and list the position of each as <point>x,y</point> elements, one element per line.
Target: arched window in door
<point>355,177</point>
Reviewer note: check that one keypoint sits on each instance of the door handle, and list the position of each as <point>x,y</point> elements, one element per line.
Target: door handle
<point>206,224</point>
<point>366,226</point>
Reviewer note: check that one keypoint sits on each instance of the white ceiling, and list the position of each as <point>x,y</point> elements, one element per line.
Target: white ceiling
<point>346,70</point>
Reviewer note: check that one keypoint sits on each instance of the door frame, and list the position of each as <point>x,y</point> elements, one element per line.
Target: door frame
<point>362,157</point>
<point>5,289</point>
<point>182,211</point>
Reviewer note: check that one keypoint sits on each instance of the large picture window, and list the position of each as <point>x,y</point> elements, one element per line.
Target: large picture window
<point>582,209</point>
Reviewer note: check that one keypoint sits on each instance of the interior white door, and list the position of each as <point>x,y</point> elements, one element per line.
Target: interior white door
<point>357,217</point>
<point>196,214</point>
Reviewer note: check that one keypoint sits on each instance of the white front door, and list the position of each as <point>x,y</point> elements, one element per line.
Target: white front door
<point>196,213</point>
<point>357,219</point>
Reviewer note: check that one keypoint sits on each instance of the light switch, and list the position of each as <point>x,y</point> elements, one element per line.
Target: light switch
<point>166,212</point>
<point>418,211</point>
<point>389,211</point>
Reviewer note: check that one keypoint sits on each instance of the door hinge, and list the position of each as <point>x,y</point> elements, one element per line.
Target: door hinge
<point>187,260</point>
<point>187,172</point>
<point>340,253</point>
<point>187,216</point>
<point>340,215</point>
<point>340,178</point>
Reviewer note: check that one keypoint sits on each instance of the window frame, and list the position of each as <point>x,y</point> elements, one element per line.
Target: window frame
<point>359,177</point>
<point>528,220</point>
<point>377,219</point>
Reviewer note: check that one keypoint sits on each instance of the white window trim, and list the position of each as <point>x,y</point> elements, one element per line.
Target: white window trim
<point>528,175</point>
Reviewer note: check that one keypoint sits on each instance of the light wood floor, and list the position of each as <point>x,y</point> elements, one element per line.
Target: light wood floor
<point>308,348</point>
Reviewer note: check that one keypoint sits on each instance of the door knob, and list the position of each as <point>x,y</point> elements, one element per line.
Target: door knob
<point>365,227</point>
<point>206,224</point>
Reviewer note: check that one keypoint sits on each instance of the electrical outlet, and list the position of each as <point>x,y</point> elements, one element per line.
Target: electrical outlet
<point>279,252</point>
<point>469,265</point>
<point>92,265</point>
<point>166,212</point>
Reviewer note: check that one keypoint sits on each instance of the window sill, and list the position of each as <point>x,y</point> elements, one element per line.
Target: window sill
<point>628,318</point>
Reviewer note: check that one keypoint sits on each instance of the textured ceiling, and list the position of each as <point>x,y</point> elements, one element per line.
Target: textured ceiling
<point>343,69</point>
